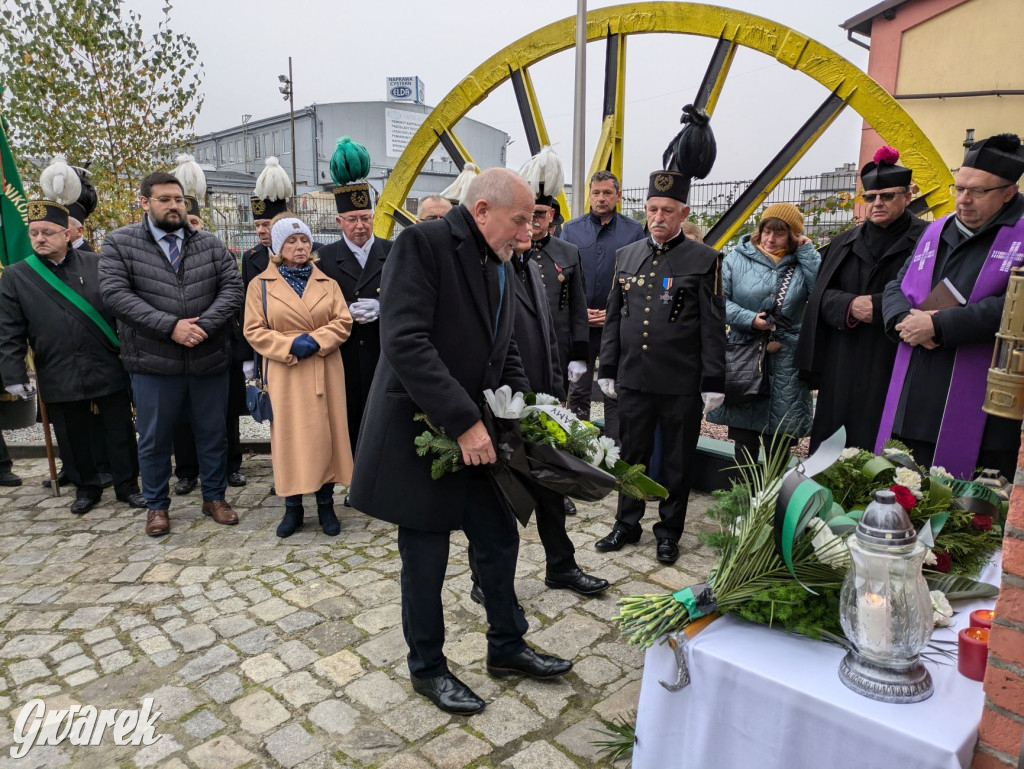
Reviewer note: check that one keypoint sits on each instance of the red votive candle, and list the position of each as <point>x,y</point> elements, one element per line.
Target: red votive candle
<point>982,618</point>
<point>972,653</point>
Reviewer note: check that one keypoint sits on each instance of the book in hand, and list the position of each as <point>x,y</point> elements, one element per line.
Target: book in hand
<point>942,297</point>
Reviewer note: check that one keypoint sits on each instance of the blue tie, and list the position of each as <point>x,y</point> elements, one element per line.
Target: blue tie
<point>501,298</point>
<point>172,251</point>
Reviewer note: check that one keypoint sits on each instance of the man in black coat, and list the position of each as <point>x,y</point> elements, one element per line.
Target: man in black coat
<point>537,343</point>
<point>843,350</point>
<point>662,355</point>
<point>974,250</point>
<point>355,261</point>
<point>51,301</point>
<point>446,336</point>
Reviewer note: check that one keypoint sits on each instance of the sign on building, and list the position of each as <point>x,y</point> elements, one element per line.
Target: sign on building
<point>405,89</point>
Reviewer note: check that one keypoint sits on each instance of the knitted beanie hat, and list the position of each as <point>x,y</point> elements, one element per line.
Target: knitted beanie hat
<point>788,213</point>
<point>284,229</point>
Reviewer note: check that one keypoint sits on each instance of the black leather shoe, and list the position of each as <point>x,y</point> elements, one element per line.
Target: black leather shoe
<point>184,485</point>
<point>617,539</point>
<point>477,594</point>
<point>668,551</point>
<point>570,507</point>
<point>135,499</point>
<point>83,505</point>
<point>529,663</point>
<point>291,522</point>
<point>449,693</point>
<point>7,478</point>
<point>62,480</point>
<point>346,503</point>
<point>236,479</point>
<point>576,580</point>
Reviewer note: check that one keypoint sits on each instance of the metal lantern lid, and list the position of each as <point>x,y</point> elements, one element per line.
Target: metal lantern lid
<point>886,523</point>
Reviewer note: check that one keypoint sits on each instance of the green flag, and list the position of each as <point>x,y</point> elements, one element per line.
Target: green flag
<point>14,242</point>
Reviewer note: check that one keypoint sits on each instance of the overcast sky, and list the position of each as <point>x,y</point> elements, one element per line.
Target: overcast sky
<point>343,50</point>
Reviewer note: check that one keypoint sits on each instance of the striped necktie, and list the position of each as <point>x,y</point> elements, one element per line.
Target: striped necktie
<point>172,251</point>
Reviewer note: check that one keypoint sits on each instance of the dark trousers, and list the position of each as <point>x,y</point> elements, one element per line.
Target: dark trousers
<point>491,529</point>
<point>583,391</point>
<point>924,455</point>
<point>748,442</point>
<point>75,424</point>
<point>6,463</point>
<point>559,551</point>
<point>161,403</point>
<point>678,416</point>
<point>186,461</point>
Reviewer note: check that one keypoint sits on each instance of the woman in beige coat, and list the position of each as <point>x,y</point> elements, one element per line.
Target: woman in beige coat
<point>305,322</point>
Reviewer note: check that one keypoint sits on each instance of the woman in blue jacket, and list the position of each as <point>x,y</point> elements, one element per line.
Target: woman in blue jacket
<point>775,260</point>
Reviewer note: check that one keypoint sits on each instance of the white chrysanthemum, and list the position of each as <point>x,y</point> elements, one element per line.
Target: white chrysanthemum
<point>767,496</point>
<point>908,478</point>
<point>929,558</point>
<point>829,548</point>
<point>942,612</point>
<point>940,472</point>
<point>849,453</point>
<point>543,399</point>
<point>609,451</point>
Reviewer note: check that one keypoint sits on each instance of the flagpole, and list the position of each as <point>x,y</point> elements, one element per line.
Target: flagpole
<point>579,129</point>
<point>50,459</point>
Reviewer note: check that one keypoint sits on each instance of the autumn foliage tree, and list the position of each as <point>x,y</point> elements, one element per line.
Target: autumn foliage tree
<point>86,80</point>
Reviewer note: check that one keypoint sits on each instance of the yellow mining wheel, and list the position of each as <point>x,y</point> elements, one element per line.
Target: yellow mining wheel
<point>849,86</point>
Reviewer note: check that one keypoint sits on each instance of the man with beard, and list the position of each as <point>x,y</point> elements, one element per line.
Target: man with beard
<point>938,381</point>
<point>448,313</point>
<point>843,350</point>
<point>355,262</point>
<point>51,301</point>
<point>598,235</point>
<point>175,292</point>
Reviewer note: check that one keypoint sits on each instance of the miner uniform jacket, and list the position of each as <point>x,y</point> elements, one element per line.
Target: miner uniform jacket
<point>362,349</point>
<point>561,275</point>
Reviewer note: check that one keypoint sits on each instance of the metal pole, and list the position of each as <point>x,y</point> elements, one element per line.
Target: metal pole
<point>291,115</point>
<point>579,128</point>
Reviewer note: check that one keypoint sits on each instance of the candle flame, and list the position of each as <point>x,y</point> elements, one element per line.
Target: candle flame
<point>977,633</point>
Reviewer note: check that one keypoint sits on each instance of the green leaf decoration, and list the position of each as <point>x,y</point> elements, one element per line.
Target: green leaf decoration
<point>958,588</point>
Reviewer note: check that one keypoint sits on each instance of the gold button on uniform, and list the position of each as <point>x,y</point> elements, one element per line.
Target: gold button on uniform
<point>647,309</point>
<point>646,335</point>
<point>645,347</point>
<point>647,323</point>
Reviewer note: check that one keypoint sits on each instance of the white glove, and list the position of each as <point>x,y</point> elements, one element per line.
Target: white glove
<point>577,368</point>
<point>23,391</point>
<point>365,310</point>
<point>712,401</point>
<point>607,387</point>
<point>248,368</point>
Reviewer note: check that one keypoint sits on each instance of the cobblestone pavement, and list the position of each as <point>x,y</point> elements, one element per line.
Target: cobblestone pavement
<point>262,652</point>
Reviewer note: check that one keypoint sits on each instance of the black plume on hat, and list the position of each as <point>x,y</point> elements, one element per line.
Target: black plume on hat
<point>693,151</point>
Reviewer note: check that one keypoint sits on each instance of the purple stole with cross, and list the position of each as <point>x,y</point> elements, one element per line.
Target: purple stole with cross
<point>963,421</point>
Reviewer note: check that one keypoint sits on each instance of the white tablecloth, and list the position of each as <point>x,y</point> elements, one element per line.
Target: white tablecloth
<point>762,699</point>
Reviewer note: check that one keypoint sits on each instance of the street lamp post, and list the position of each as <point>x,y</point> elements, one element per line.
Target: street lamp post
<point>288,89</point>
<point>245,141</point>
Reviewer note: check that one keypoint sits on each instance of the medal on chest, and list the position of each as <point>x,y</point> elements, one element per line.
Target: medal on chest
<point>666,283</point>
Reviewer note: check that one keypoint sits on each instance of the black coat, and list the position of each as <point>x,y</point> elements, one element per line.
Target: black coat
<point>535,333</point>
<point>928,376</point>
<point>148,298</point>
<point>439,352</point>
<point>562,277</point>
<point>673,347</point>
<point>74,360</point>
<point>361,350</point>
<point>850,367</point>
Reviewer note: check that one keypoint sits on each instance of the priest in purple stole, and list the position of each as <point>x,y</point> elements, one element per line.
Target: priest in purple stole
<point>938,381</point>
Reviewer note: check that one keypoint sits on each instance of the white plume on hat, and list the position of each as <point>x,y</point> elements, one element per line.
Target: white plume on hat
<point>457,189</point>
<point>191,176</point>
<point>59,181</point>
<point>543,172</point>
<point>273,183</point>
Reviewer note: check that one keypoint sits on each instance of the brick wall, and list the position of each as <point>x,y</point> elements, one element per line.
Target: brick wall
<point>1002,723</point>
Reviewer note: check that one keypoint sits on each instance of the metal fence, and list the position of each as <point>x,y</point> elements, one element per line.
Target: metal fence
<point>826,201</point>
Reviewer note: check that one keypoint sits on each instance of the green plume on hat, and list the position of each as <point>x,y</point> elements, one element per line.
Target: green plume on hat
<point>349,162</point>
